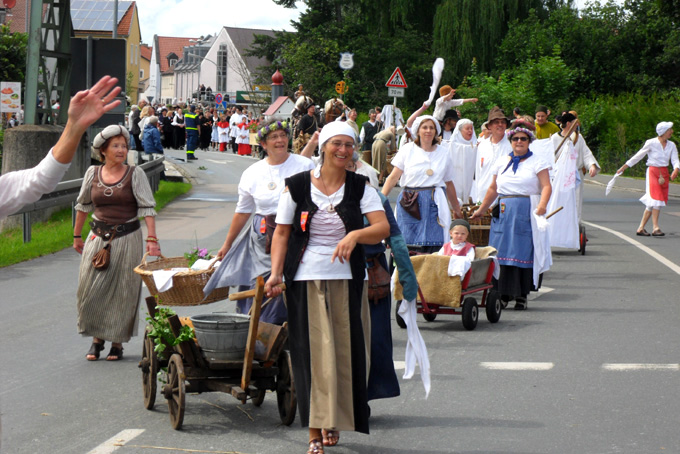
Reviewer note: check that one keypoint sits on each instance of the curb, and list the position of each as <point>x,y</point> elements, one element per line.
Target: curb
<point>181,171</point>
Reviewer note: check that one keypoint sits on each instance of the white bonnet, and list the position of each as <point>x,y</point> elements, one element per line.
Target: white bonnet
<point>420,119</point>
<point>106,134</point>
<point>662,127</point>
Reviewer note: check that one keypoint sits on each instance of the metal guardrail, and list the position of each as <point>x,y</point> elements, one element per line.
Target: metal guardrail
<point>67,192</point>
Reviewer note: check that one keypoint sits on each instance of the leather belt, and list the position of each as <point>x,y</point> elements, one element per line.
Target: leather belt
<point>105,231</point>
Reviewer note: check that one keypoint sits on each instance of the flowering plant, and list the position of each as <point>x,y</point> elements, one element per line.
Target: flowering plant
<point>196,254</point>
<point>253,127</point>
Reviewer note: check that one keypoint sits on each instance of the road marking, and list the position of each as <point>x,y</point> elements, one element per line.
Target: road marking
<point>398,365</point>
<point>624,367</point>
<point>517,366</point>
<point>541,291</point>
<point>115,442</point>
<point>218,162</point>
<point>655,255</point>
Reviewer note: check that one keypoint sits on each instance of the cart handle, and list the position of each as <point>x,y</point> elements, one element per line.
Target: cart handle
<point>249,293</point>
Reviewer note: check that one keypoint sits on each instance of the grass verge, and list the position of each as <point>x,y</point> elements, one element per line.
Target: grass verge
<point>57,233</point>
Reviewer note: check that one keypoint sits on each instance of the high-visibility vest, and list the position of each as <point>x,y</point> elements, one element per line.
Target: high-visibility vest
<point>190,121</point>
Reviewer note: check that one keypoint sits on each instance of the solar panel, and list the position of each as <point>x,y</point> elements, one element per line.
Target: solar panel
<point>96,14</point>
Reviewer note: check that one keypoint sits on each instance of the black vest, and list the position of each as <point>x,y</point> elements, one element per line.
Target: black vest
<point>348,209</point>
<point>369,133</point>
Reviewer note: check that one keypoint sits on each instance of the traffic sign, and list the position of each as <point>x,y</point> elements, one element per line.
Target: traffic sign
<point>341,87</point>
<point>346,61</point>
<point>395,92</point>
<point>397,80</point>
<point>218,98</point>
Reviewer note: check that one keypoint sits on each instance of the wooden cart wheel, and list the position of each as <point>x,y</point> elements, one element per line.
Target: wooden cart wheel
<point>400,321</point>
<point>259,397</point>
<point>285,389</point>
<point>494,306</point>
<point>149,366</point>
<point>470,313</point>
<point>174,391</point>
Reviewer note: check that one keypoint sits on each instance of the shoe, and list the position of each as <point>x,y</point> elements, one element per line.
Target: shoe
<point>520,304</point>
<point>315,447</point>
<point>115,352</point>
<point>94,350</point>
<point>642,232</point>
<point>330,437</point>
<point>658,232</point>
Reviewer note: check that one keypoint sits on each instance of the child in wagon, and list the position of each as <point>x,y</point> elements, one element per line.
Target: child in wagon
<point>462,253</point>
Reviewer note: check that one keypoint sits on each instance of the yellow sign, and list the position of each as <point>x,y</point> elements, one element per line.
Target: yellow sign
<point>341,87</point>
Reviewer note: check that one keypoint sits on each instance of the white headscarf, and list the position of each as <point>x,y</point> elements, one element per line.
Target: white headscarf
<point>335,128</point>
<point>457,136</point>
<point>420,119</point>
<point>662,127</point>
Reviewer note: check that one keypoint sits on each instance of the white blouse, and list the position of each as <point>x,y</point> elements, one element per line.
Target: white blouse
<point>525,181</point>
<point>657,156</point>
<point>325,232</point>
<point>414,162</point>
<point>254,194</point>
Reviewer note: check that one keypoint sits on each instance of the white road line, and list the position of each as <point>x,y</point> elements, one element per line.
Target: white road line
<point>517,366</point>
<point>115,442</point>
<point>625,367</point>
<point>655,255</point>
<point>398,365</point>
<point>218,162</point>
<point>541,291</point>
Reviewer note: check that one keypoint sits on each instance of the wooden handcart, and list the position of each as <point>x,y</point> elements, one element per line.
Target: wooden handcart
<point>189,371</point>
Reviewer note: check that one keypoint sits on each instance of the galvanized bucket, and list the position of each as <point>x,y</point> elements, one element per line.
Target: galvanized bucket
<point>222,336</point>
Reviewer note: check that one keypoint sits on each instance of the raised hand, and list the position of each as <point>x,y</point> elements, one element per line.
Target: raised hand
<point>88,106</point>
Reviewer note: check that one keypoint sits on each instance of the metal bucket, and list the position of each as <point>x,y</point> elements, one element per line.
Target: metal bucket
<point>222,336</point>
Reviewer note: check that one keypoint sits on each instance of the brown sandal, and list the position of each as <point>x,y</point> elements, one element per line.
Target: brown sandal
<point>315,447</point>
<point>115,354</point>
<point>94,350</point>
<point>330,437</point>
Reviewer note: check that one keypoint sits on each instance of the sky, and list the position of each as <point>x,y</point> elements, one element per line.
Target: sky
<point>190,18</point>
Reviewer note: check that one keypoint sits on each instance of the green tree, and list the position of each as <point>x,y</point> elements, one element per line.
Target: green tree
<point>12,55</point>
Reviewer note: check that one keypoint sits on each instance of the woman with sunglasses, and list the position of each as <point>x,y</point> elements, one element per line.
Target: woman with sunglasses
<point>521,183</point>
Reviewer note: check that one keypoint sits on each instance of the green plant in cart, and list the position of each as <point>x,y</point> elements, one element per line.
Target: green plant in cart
<point>162,334</point>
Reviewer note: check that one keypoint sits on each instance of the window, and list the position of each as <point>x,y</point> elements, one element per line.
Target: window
<point>222,69</point>
<point>141,74</point>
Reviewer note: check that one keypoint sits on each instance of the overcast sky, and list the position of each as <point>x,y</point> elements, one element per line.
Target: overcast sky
<point>188,18</point>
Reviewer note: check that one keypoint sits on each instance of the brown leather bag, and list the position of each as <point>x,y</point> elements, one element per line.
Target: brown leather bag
<point>378,281</point>
<point>102,258</point>
<point>409,202</point>
<point>270,226</point>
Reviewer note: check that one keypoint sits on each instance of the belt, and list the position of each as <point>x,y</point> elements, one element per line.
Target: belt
<point>105,231</point>
<point>428,188</point>
<point>512,196</point>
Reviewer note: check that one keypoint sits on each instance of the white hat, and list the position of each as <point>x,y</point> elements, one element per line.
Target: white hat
<point>336,128</point>
<point>106,134</point>
<point>662,127</point>
<point>420,119</point>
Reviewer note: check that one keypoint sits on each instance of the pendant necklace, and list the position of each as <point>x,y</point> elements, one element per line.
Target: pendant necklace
<point>108,190</point>
<point>331,207</point>
<point>271,185</point>
<point>429,171</point>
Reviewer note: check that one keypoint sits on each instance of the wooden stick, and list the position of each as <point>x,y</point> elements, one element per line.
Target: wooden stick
<point>249,293</point>
<point>252,334</point>
<point>569,131</point>
<point>554,213</point>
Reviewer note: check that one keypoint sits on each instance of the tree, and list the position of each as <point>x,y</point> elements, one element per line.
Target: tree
<point>12,54</point>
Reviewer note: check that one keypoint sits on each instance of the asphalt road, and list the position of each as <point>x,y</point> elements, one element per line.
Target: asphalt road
<point>591,367</point>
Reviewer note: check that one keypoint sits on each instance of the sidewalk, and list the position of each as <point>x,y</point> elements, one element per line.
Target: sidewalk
<point>624,183</point>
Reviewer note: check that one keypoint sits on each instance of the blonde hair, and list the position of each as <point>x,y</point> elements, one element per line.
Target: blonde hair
<point>437,139</point>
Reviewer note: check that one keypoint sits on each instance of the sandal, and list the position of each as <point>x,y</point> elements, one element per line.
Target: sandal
<point>315,447</point>
<point>115,352</point>
<point>642,232</point>
<point>658,232</point>
<point>330,437</point>
<point>94,350</point>
<point>520,304</point>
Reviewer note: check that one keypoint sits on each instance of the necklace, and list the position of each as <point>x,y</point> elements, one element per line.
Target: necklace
<point>271,185</point>
<point>331,207</point>
<point>429,171</point>
<point>108,190</point>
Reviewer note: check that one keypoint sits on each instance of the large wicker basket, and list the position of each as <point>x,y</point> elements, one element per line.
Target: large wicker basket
<point>479,228</point>
<point>187,286</point>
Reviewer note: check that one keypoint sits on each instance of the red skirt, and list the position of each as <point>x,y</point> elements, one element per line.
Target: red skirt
<point>656,190</point>
<point>243,149</point>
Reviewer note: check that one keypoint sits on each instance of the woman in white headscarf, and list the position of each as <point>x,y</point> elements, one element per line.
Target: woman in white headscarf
<point>660,152</point>
<point>463,151</point>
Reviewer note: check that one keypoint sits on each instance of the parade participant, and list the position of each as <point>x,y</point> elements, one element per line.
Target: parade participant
<point>317,245</point>
<point>204,129</point>
<point>425,172</point>
<point>459,248</point>
<point>352,121</point>
<point>544,128</point>
<point>27,186</point>
<point>117,195</point>
<point>368,131</point>
<point>307,126</point>
<point>243,138</point>
<point>463,151</point>
<point>234,121</point>
<point>215,134</point>
<point>585,161</point>
<point>660,152</point>
<point>517,181</point>
<point>133,127</point>
<point>449,124</point>
<point>179,135</point>
<point>152,137</point>
<point>446,102</point>
<point>191,127</point>
<point>245,252</point>
<point>384,142</point>
<point>488,152</point>
<point>223,133</point>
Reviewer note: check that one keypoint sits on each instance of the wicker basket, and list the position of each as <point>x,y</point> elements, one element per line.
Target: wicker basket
<point>479,228</point>
<point>187,286</point>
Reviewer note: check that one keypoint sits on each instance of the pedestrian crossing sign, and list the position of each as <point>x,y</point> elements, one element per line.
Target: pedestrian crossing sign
<point>397,80</point>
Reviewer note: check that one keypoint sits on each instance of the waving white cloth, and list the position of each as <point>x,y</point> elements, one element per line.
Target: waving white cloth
<point>416,351</point>
<point>564,226</point>
<point>540,235</point>
<point>464,155</point>
<point>610,185</point>
<point>437,70</point>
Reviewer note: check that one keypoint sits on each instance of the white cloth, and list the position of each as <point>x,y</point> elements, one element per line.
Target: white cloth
<point>564,230</point>
<point>485,165</point>
<point>657,155</point>
<point>367,170</point>
<point>163,278</point>
<point>459,265</point>
<point>27,186</point>
<point>254,195</point>
<point>463,155</point>
<point>325,231</point>
<point>223,134</point>
<point>437,69</point>
<point>414,162</point>
<point>540,235</point>
<point>388,117</point>
<point>234,121</point>
<point>243,135</point>
<point>610,185</point>
<point>441,106</point>
<point>416,350</point>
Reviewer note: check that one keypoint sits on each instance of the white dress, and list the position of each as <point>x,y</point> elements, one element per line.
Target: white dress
<point>486,160</point>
